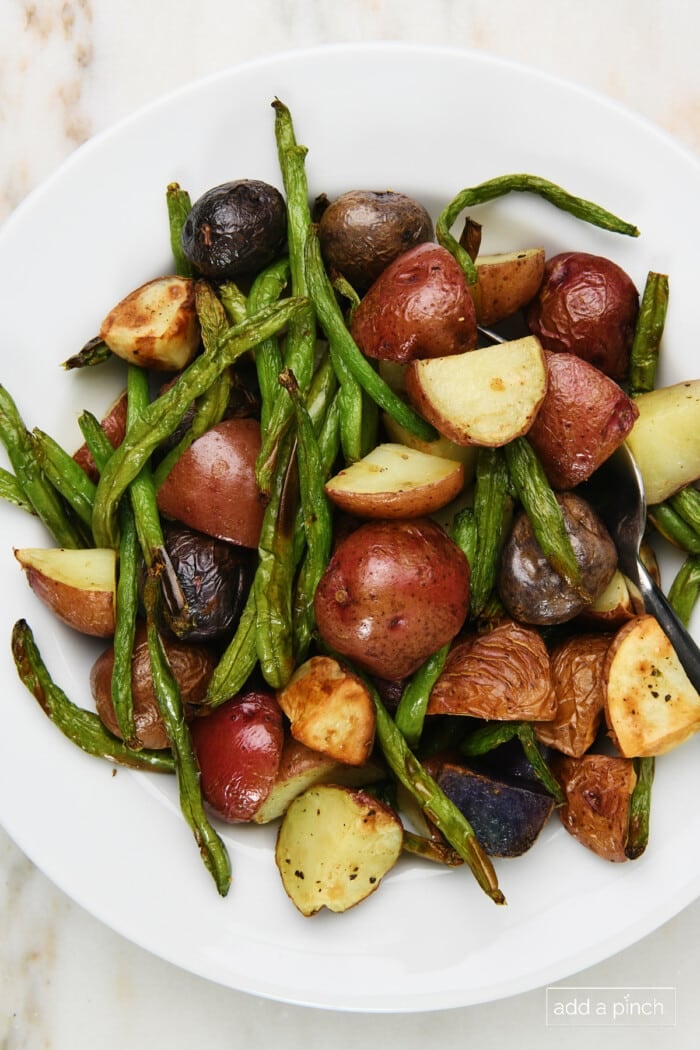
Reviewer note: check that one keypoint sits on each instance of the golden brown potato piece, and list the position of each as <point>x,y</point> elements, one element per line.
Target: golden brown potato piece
<point>334,846</point>
<point>577,676</point>
<point>330,710</point>
<point>504,674</point>
<point>156,325</point>
<point>598,789</point>
<point>650,704</point>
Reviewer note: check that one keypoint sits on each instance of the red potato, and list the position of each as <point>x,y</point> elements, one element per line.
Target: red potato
<point>505,283</point>
<point>392,593</point>
<point>79,586</point>
<point>584,417</point>
<point>213,488</point>
<point>419,306</point>
<point>587,305</point>
<point>114,426</point>
<point>238,747</point>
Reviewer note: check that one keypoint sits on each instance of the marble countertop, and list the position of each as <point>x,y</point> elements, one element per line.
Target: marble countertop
<point>69,68</point>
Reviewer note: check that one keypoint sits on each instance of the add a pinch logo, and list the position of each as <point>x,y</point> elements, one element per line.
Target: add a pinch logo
<point>628,1007</point>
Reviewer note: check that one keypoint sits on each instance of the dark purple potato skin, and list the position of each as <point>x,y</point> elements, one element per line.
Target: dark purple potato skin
<point>234,229</point>
<point>587,305</point>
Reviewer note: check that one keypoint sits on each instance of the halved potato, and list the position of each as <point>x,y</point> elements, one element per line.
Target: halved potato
<point>482,397</point>
<point>301,767</point>
<point>577,676</point>
<point>439,446</point>
<point>335,845</point>
<point>79,586</point>
<point>506,282</point>
<point>330,710</point>
<point>396,481</point>
<point>664,439</point>
<point>650,703</point>
<point>156,325</point>
<point>598,789</point>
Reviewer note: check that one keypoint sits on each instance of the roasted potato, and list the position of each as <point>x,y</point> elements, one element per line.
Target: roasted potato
<point>532,590</point>
<point>234,229</point>
<point>502,674</point>
<point>392,593</point>
<point>419,306</point>
<point>583,418</point>
<point>192,666</point>
<point>598,790</point>
<point>155,326</point>
<point>334,847</point>
<point>577,677</point>
<point>362,231</point>
<point>586,305</point>
<point>79,586</point>
<point>664,439</point>
<point>505,283</point>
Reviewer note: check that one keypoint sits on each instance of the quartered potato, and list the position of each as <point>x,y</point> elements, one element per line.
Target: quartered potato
<point>335,845</point>
<point>598,790</point>
<point>577,676</point>
<point>664,439</point>
<point>505,283</point>
<point>79,586</point>
<point>156,325</point>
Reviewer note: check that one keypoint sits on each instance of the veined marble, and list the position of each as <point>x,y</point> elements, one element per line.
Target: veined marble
<point>69,68</point>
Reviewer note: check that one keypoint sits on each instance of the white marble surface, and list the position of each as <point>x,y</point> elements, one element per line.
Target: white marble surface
<point>69,68</point>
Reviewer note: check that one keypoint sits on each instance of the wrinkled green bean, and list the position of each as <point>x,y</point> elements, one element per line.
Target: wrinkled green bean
<point>640,808</point>
<point>644,354</point>
<point>179,204</point>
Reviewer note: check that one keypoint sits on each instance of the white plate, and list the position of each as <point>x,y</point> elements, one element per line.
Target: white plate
<point>428,122</point>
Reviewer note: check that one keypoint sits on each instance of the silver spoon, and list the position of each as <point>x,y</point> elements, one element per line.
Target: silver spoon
<point>616,491</point>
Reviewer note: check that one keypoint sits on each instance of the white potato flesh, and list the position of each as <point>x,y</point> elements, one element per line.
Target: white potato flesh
<point>483,397</point>
<point>335,845</point>
<point>665,439</point>
<point>439,446</point>
<point>506,282</point>
<point>396,481</point>
<point>650,704</point>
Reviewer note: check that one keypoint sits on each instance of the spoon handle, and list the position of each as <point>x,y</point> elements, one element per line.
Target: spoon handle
<point>656,603</point>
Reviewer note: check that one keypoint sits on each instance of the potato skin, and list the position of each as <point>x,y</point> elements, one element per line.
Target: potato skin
<point>362,231</point>
<point>419,306</point>
<point>192,666</point>
<point>531,590</point>
<point>587,305</point>
<point>392,593</point>
<point>596,811</point>
<point>577,676</point>
<point>584,417</point>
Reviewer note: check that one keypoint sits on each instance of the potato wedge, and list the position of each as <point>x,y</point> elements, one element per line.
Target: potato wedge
<point>301,767</point>
<point>79,586</point>
<point>335,845</point>
<point>598,789</point>
<point>664,439</point>
<point>503,674</point>
<point>156,325</point>
<point>330,710</point>
<point>395,481</point>
<point>506,282</point>
<point>482,397</point>
<point>577,676</point>
<point>650,704</point>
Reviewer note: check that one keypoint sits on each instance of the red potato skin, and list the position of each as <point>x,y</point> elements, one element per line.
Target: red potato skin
<point>584,417</point>
<point>114,426</point>
<point>419,306</point>
<point>587,305</point>
<point>238,747</point>
<point>212,488</point>
<point>392,593</point>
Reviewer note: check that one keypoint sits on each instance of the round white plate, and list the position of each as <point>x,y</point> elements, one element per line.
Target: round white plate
<point>428,122</point>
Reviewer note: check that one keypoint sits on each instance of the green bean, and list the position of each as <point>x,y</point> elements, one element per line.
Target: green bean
<point>346,350</point>
<point>167,692</point>
<point>494,734</point>
<point>318,522</point>
<point>11,491</point>
<point>265,289</point>
<point>438,808</point>
<point>234,302</point>
<point>274,575</point>
<point>95,352</point>
<point>101,448</point>
<point>644,354</point>
<point>413,704</point>
<point>179,205</point>
<point>544,512</point>
<point>141,488</point>
<point>127,607</point>
<point>580,208</point>
<point>669,524</point>
<point>640,808</point>
<point>67,477</point>
<point>430,849</point>
<point>686,503</point>
<point>238,660</point>
<point>164,413</point>
<point>491,504</point>
<point>82,727</point>
<point>685,589</point>
<point>37,489</point>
